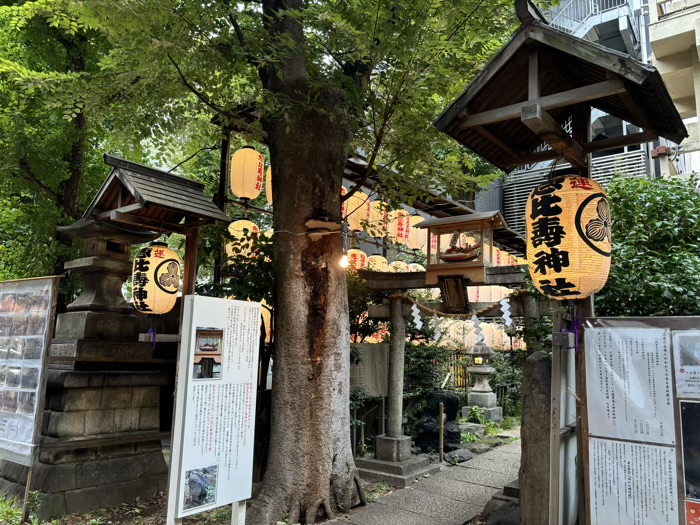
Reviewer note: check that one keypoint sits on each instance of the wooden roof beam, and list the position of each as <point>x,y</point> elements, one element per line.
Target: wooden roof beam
<point>549,130</point>
<point>549,102</point>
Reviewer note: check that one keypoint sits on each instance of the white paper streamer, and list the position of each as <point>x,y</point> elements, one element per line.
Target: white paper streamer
<point>505,308</point>
<point>477,328</point>
<point>415,312</point>
<point>438,333</point>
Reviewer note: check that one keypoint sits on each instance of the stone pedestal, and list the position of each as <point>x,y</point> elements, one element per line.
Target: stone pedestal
<point>95,405</point>
<point>486,401</point>
<point>392,449</point>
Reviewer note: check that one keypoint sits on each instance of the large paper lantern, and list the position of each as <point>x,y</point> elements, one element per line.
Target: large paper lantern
<point>398,267</point>
<point>378,219</point>
<point>417,237</point>
<point>247,167</point>
<point>268,185</point>
<point>239,230</point>
<point>399,226</point>
<point>156,279</point>
<point>569,237</point>
<point>357,259</point>
<point>357,211</point>
<point>377,263</point>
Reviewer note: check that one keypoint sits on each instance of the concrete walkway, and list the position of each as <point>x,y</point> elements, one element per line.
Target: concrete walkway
<point>453,496</point>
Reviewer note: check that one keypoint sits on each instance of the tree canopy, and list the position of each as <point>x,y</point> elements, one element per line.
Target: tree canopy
<point>656,248</point>
<point>314,81</point>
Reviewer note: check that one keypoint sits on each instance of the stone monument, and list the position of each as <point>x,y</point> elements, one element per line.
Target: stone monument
<point>481,395</point>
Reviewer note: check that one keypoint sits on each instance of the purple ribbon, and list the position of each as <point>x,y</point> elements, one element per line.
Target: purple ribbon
<point>152,332</point>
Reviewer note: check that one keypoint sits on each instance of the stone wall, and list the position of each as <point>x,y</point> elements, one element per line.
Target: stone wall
<point>83,405</point>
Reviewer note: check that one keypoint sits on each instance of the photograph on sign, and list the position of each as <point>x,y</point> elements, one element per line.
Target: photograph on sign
<point>208,354</point>
<point>632,483</point>
<point>25,325</point>
<point>686,348</point>
<point>200,487</point>
<point>690,430</point>
<point>213,433</point>
<point>692,513</point>
<point>629,384</point>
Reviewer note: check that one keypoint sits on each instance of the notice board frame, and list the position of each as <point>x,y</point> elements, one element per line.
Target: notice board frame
<point>671,324</point>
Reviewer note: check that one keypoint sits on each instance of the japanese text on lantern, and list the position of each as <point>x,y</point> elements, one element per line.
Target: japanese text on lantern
<point>547,234</point>
<point>142,264</point>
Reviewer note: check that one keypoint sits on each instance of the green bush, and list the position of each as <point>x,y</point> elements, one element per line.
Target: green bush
<point>509,375</point>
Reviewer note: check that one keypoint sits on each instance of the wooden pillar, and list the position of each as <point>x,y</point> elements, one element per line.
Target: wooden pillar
<point>396,365</point>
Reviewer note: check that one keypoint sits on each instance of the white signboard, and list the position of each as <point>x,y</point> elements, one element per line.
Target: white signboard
<point>686,346</point>
<point>212,459</point>
<point>629,384</point>
<point>26,326</point>
<point>632,483</point>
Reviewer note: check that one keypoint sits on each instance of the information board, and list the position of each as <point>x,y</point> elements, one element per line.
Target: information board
<point>27,311</point>
<point>212,453</point>
<point>628,381</point>
<point>642,445</point>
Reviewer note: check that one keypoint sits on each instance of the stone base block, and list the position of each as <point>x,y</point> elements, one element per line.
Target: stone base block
<point>85,484</point>
<point>97,325</point>
<point>482,399</point>
<point>398,474</point>
<point>491,414</point>
<point>392,449</point>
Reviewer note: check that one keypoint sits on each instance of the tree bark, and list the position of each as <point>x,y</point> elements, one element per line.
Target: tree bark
<point>311,471</point>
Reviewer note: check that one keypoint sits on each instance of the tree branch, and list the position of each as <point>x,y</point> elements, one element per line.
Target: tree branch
<point>241,40</point>
<point>206,148</point>
<point>201,96</point>
<point>26,174</point>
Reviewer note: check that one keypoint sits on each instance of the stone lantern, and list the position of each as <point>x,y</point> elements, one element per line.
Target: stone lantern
<point>481,395</point>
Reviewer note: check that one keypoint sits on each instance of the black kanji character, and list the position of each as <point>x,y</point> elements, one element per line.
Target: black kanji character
<point>556,260</point>
<point>140,294</point>
<point>560,288</point>
<point>140,279</point>
<point>548,231</point>
<point>141,306</point>
<point>548,187</point>
<point>545,206</point>
<point>141,265</point>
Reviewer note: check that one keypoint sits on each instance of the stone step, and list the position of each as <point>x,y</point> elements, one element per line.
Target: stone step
<point>512,490</point>
<point>399,480</point>
<point>401,468</point>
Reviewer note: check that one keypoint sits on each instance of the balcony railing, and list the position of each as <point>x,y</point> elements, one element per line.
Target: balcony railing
<point>575,16</point>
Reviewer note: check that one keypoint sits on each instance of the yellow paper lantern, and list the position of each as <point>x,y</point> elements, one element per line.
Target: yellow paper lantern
<point>415,267</point>
<point>398,267</point>
<point>377,263</point>
<point>357,259</point>
<point>357,211</point>
<point>399,226</point>
<point>239,230</point>
<point>268,185</point>
<point>569,237</point>
<point>247,173</point>
<point>417,237</point>
<point>378,218</point>
<point>156,279</point>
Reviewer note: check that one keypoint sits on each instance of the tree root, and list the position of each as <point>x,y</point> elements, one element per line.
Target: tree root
<point>312,511</point>
<point>360,490</point>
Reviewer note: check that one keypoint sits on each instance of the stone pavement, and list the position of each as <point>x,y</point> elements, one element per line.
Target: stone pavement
<point>453,496</point>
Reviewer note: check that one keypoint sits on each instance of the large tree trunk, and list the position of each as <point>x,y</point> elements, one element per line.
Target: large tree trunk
<point>311,470</point>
